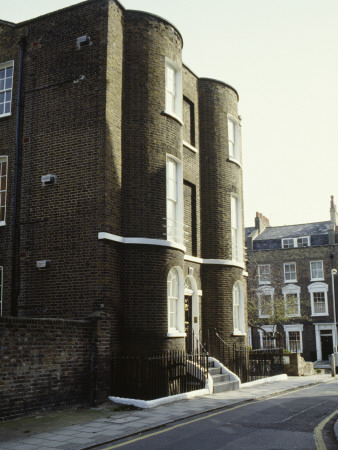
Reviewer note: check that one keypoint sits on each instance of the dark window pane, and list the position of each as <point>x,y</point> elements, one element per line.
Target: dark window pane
<point>8,83</point>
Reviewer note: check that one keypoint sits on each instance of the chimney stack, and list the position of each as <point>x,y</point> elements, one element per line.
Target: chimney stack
<point>334,222</point>
<point>261,222</point>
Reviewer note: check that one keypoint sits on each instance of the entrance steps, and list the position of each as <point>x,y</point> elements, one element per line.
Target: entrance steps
<point>222,379</point>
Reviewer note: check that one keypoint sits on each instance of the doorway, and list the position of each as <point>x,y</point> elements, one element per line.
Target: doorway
<point>191,312</point>
<point>326,344</point>
<point>188,322</point>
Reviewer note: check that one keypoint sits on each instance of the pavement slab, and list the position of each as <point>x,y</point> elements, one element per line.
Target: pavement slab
<point>101,427</point>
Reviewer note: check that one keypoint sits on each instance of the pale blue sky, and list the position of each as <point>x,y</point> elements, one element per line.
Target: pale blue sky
<point>281,56</point>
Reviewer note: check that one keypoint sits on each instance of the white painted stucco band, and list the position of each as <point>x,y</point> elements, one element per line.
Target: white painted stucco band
<point>222,262</point>
<point>141,241</point>
<point>164,243</point>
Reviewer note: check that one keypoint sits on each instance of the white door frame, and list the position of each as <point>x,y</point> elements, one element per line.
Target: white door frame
<point>195,304</point>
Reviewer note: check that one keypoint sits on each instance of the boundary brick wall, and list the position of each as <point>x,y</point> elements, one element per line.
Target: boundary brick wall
<point>50,363</point>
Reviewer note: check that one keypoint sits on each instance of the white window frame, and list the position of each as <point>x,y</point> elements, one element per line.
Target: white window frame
<point>268,329</point>
<point>236,228</point>
<point>3,188</point>
<point>174,225</point>
<point>290,280</point>
<point>173,94</point>
<point>312,271</point>
<point>176,273</point>
<point>267,291</point>
<point>293,242</point>
<point>291,289</point>
<point>294,328</point>
<point>238,309</point>
<point>1,287</point>
<point>288,243</point>
<point>307,238</point>
<point>5,91</point>
<point>234,141</point>
<point>318,288</point>
<point>249,337</point>
<point>262,273</point>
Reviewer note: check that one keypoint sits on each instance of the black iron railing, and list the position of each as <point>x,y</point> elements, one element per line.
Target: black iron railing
<point>247,364</point>
<point>147,377</point>
<point>265,363</point>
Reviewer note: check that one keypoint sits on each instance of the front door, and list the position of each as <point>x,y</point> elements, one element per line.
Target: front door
<point>326,343</point>
<point>188,323</point>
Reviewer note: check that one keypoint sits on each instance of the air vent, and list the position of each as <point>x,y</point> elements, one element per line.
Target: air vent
<point>48,179</point>
<point>43,264</point>
<point>83,41</point>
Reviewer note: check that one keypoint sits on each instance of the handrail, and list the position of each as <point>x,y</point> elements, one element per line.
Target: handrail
<point>219,337</point>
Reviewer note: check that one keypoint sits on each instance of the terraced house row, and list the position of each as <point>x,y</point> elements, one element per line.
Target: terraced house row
<point>121,182</point>
<point>292,278</point>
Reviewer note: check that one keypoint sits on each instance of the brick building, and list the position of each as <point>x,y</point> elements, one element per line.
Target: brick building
<point>121,180</point>
<point>291,267</point>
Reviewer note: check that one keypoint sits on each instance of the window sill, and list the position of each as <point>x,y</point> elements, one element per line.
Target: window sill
<point>235,161</point>
<point>173,116</point>
<point>317,279</point>
<point>292,315</point>
<point>290,281</point>
<point>318,315</point>
<point>261,283</point>
<point>176,334</point>
<point>190,147</point>
<point>5,115</point>
<point>238,333</point>
<point>2,224</point>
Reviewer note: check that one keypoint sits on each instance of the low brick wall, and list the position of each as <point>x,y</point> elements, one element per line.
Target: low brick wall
<point>295,365</point>
<point>48,363</point>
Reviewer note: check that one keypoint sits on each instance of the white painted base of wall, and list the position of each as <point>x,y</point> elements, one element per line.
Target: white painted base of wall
<point>281,377</point>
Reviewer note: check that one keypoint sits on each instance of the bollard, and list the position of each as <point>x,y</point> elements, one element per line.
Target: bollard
<point>333,365</point>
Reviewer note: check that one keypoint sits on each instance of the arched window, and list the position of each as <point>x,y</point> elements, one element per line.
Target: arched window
<point>175,291</point>
<point>238,308</point>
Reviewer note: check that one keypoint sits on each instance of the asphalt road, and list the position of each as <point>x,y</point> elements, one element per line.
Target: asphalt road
<point>302,419</point>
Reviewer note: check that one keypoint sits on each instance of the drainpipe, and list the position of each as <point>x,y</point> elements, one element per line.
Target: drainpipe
<point>15,235</point>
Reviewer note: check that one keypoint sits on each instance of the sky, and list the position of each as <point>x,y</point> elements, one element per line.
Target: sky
<point>281,56</point>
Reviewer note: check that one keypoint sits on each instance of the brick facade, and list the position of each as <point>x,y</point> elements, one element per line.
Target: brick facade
<point>94,115</point>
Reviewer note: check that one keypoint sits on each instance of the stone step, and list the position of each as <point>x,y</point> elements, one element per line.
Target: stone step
<point>221,377</point>
<point>224,386</point>
<point>214,370</point>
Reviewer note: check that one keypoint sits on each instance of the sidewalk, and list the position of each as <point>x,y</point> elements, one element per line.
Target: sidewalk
<point>119,424</point>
